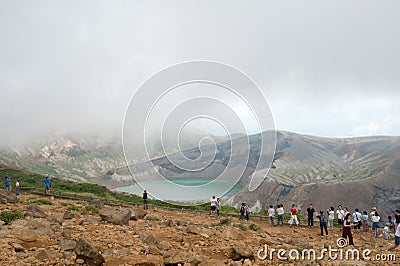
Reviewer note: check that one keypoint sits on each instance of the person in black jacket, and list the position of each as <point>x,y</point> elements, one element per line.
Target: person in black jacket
<point>310,216</point>
<point>145,197</point>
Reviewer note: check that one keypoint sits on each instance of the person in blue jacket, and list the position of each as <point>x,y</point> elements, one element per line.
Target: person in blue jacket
<point>47,183</point>
<point>7,183</point>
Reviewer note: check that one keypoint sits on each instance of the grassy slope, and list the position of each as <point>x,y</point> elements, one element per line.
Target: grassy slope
<point>29,179</point>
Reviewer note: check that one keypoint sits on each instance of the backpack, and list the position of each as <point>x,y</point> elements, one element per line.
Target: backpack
<point>242,209</point>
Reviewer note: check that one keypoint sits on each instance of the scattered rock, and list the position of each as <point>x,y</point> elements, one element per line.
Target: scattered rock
<point>164,245</point>
<point>138,214</point>
<point>17,247</point>
<point>85,250</point>
<point>97,203</point>
<point>212,262</point>
<point>116,216</point>
<point>175,256</point>
<point>232,233</point>
<point>150,239</point>
<point>27,235</point>
<point>7,197</point>
<point>42,254</point>
<point>35,211</point>
<point>68,215</point>
<point>66,244</point>
<point>240,251</point>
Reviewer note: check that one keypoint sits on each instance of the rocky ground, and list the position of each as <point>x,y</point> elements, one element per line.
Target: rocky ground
<point>69,233</point>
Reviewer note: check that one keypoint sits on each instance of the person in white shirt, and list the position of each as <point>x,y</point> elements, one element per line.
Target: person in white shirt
<point>271,215</point>
<point>396,238</point>
<point>331,216</point>
<point>17,188</point>
<point>213,203</point>
<point>281,214</point>
<point>340,215</point>
<point>375,223</point>
<point>357,217</point>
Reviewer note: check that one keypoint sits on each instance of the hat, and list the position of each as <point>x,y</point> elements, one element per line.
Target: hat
<point>374,209</point>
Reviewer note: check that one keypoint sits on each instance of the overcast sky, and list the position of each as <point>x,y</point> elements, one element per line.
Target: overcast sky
<point>327,68</point>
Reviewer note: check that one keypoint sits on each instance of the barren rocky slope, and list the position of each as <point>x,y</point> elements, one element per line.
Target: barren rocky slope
<point>67,233</point>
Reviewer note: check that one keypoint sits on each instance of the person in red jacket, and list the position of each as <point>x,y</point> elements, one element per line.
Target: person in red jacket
<point>293,211</point>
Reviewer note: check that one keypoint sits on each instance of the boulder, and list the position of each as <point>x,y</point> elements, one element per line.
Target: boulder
<point>175,256</point>
<point>150,239</point>
<point>27,235</point>
<point>116,216</point>
<point>42,254</point>
<point>138,214</point>
<point>66,244</point>
<point>84,250</point>
<point>240,251</point>
<point>17,247</point>
<point>35,211</point>
<point>8,197</point>
<point>232,233</point>
<point>97,203</point>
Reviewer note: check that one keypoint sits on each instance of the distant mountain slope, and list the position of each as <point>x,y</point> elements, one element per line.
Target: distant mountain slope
<point>357,172</point>
<point>75,158</point>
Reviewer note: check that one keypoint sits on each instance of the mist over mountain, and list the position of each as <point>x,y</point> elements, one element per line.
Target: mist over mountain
<point>356,172</point>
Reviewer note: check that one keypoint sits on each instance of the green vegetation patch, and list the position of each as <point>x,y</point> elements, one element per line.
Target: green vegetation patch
<point>9,216</point>
<point>254,227</point>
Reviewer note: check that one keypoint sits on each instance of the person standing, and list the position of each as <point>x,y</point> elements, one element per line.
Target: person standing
<point>293,212</point>
<point>213,203</point>
<point>7,183</point>
<point>365,222</point>
<point>310,216</point>
<point>397,218</point>
<point>375,223</point>
<point>145,200</point>
<point>242,210</point>
<point>281,213</point>
<point>271,215</point>
<point>246,212</point>
<point>340,214</point>
<point>347,229</point>
<point>218,206</point>
<point>17,187</point>
<point>47,184</point>
<point>331,216</point>
<point>322,223</point>
<point>357,217</point>
<point>396,238</point>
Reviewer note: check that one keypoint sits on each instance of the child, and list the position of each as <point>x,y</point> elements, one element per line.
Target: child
<point>331,216</point>
<point>385,231</point>
<point>271,214</point>
<point>322,223</point>
<point>293,212</point>
<point>365,222</point>
<point>375,223</point>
